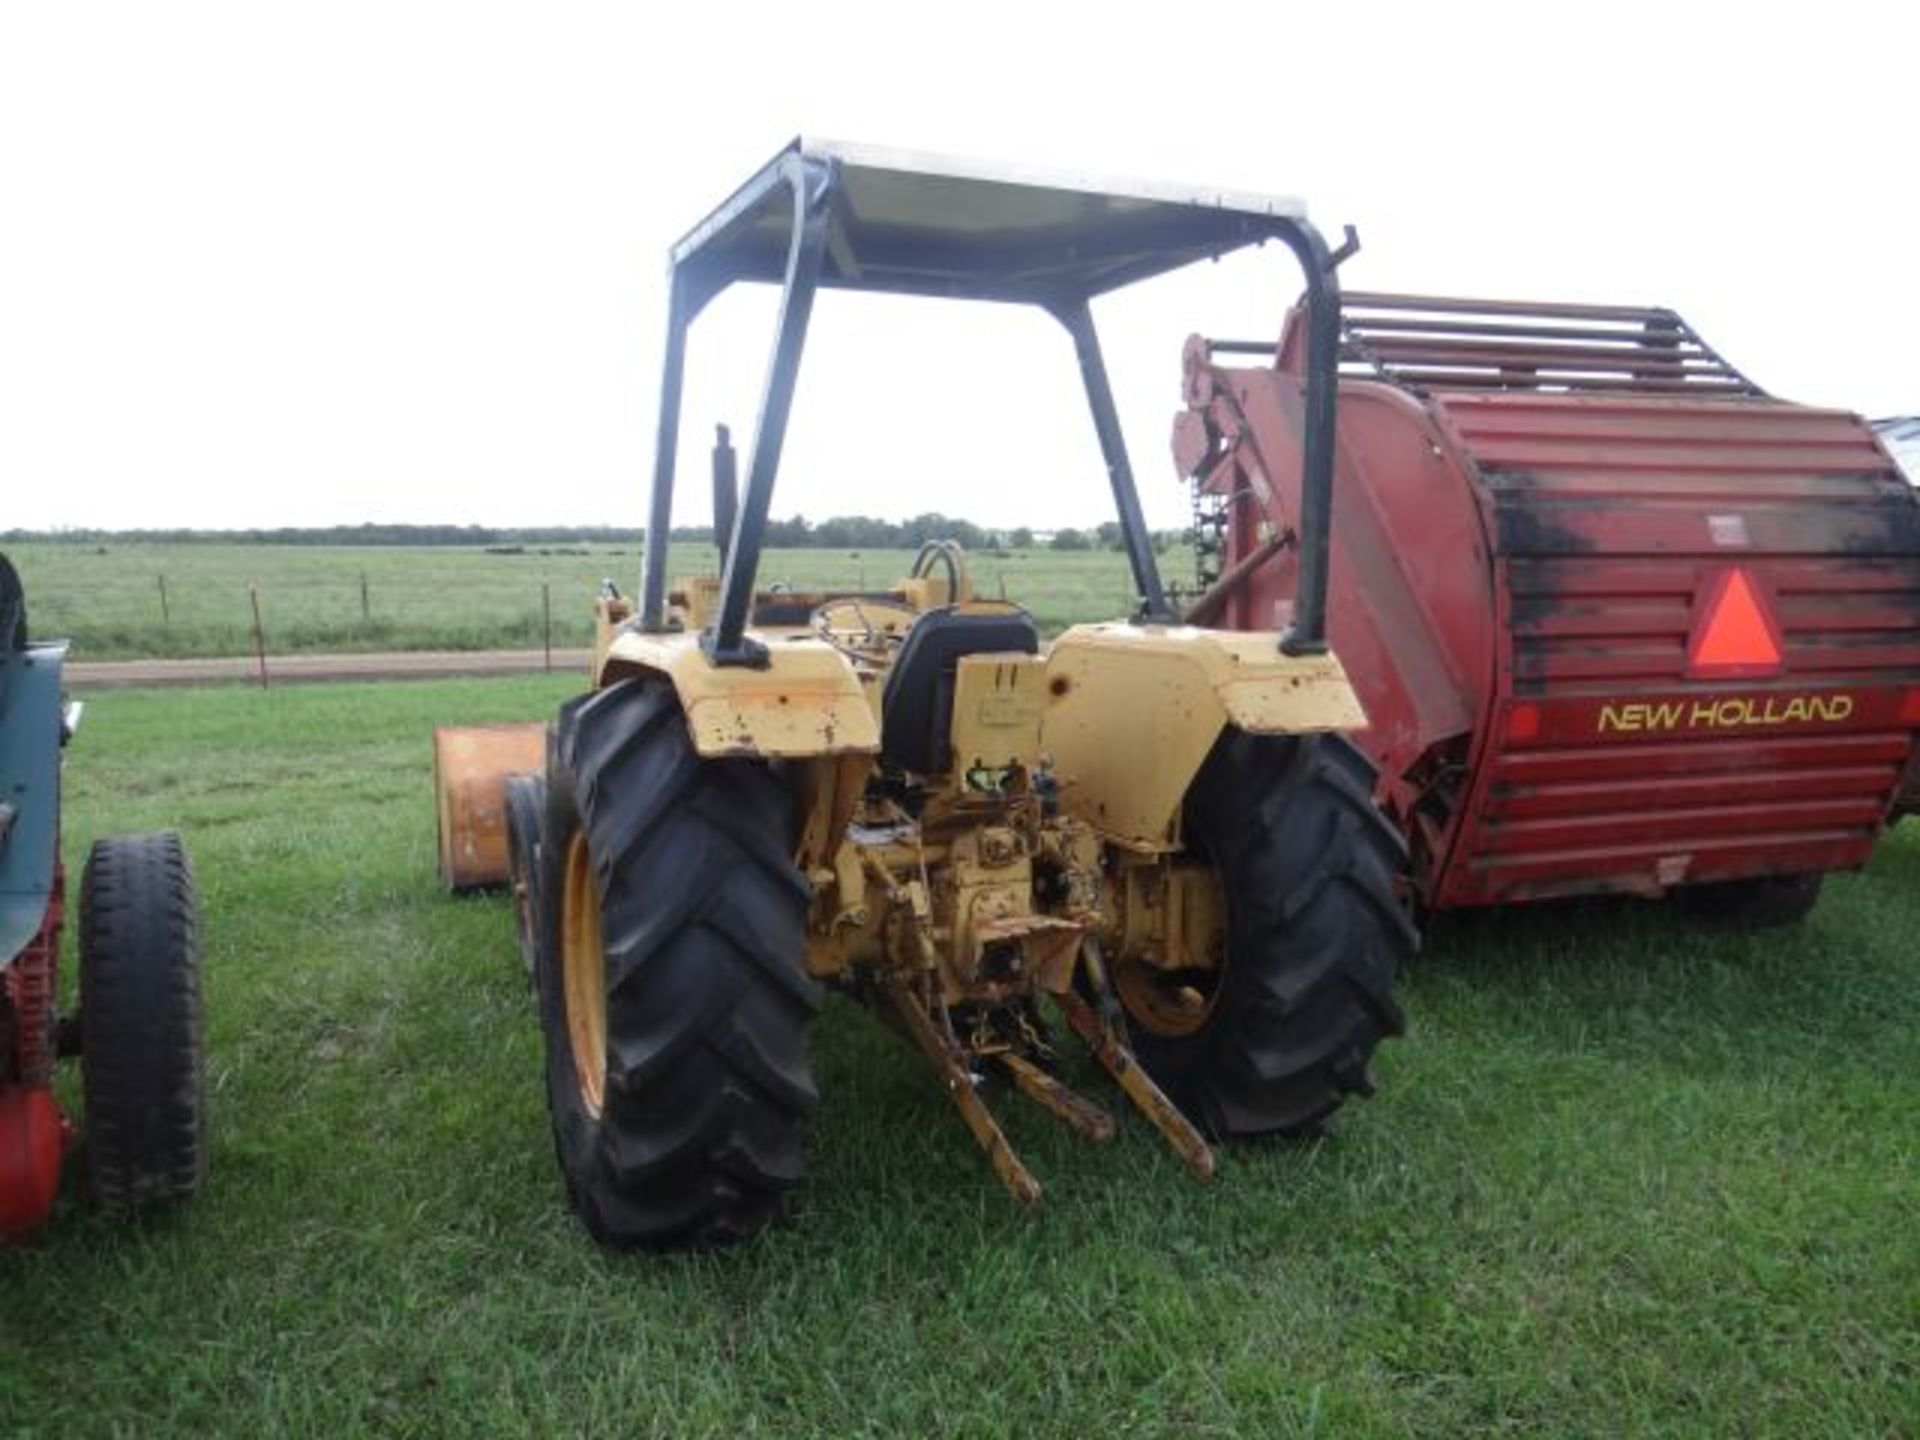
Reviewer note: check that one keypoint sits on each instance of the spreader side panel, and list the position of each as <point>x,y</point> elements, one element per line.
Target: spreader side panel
<point>1709,642</point>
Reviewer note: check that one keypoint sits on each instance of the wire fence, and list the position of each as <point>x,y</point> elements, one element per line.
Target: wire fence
<point>164,601</point>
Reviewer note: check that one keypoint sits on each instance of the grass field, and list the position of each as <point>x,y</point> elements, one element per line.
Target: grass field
<point>1624,1176</point>
<point>107,599</point>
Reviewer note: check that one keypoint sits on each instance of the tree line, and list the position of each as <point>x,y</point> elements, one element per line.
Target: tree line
<point>841,532</point>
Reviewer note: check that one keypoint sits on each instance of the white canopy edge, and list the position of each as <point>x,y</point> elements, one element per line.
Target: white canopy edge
<point>855,155</point>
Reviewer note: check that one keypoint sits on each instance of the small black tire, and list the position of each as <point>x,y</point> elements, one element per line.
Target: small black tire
<point>1313,876</point>
<point>142,1030</point>
<point>1761,902</point>
<point>694,1137</point>
<point>526,801</point>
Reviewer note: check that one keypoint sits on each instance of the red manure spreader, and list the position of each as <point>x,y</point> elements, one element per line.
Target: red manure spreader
<point>1621,621</point>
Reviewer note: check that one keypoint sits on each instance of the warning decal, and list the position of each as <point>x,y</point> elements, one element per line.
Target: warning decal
<point>1734,632</point>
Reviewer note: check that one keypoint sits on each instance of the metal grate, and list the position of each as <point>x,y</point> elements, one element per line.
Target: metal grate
<point>1427,343</point>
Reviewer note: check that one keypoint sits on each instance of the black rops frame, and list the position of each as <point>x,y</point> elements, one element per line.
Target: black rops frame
<point>813,182</point>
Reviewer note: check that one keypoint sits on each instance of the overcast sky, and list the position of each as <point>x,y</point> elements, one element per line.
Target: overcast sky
<point>264,264</point>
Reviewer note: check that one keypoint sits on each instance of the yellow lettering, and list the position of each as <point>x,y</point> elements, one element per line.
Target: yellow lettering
<point>1727,712</point>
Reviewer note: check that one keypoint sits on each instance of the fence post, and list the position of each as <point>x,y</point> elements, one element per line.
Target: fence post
<point>166,614</point>
<point>259,632</point>
<point>366,607</point>
<point>546,619</point>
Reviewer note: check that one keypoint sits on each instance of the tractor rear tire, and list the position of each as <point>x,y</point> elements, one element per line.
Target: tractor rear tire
<point>142,1032</point>
<point>526,800</point>
<point>1317,932</point>
<point>1762,902</point>
<point>671,901</point>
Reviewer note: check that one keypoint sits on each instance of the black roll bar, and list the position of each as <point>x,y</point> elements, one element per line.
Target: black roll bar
<point>1307,634</point>
<point>1077,316</point>
<point>813,182</point>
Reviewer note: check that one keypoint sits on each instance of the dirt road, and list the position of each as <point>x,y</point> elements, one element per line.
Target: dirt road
<point>312,669</point>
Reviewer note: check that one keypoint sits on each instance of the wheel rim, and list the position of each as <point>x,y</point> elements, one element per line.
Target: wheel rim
<point>1174,1002</point>
<point>584,975</point>
<point>1167,1002</point>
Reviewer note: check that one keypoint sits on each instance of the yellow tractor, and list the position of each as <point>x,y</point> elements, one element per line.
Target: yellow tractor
<point>1147,833</point>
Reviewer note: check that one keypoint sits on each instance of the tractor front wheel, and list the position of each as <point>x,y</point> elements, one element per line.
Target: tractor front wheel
<point>143,1055</point>
<point>672,990</point>
<point>1309,871</point>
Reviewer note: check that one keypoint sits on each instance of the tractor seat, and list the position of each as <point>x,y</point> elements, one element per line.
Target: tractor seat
<point>916,706</point>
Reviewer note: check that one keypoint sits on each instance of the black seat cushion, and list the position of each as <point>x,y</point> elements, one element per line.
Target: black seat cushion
<point>916,707</point>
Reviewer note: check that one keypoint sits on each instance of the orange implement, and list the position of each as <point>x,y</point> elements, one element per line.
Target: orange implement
<point>471,764</point>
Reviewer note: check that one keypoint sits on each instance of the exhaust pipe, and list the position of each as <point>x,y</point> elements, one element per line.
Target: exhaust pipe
<point>726,493</point>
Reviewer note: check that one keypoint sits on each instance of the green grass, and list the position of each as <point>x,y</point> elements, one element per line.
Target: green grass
<point>1625,1176</point>
<point>107,598</point>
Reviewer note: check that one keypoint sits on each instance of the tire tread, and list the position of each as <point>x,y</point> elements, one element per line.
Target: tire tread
<point>703,913</point>
<point>1318,934</point>
<point>143,1060</point>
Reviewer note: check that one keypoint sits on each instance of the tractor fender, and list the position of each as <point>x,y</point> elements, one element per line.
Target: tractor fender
<point>1132,712</point>
<point>30,737</point>
<point>805,701</point>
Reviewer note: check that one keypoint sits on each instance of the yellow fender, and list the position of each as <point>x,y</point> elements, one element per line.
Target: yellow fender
<point>805,702</point>
<point>1133,710</point>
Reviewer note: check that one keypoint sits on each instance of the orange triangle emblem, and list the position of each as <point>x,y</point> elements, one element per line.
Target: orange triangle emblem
<point>1735,633</point>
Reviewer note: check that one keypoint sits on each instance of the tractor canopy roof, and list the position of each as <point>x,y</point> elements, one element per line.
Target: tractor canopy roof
<point>856,217</point>
<point>923,224</point>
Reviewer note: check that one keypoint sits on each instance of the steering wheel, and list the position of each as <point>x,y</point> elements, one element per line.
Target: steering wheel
<point>864,628</point>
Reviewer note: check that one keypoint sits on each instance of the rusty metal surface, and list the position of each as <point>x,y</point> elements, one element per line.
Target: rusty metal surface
<point>1612,521</point>
<point>1434,342</point>
<point>1148,1098</point>
<point>30,985</point>
<point>950,1065</point>
<point>1207,609</point>
<point>471,764</point>
<point>1079,1113</point>
<point>1520,579</point>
